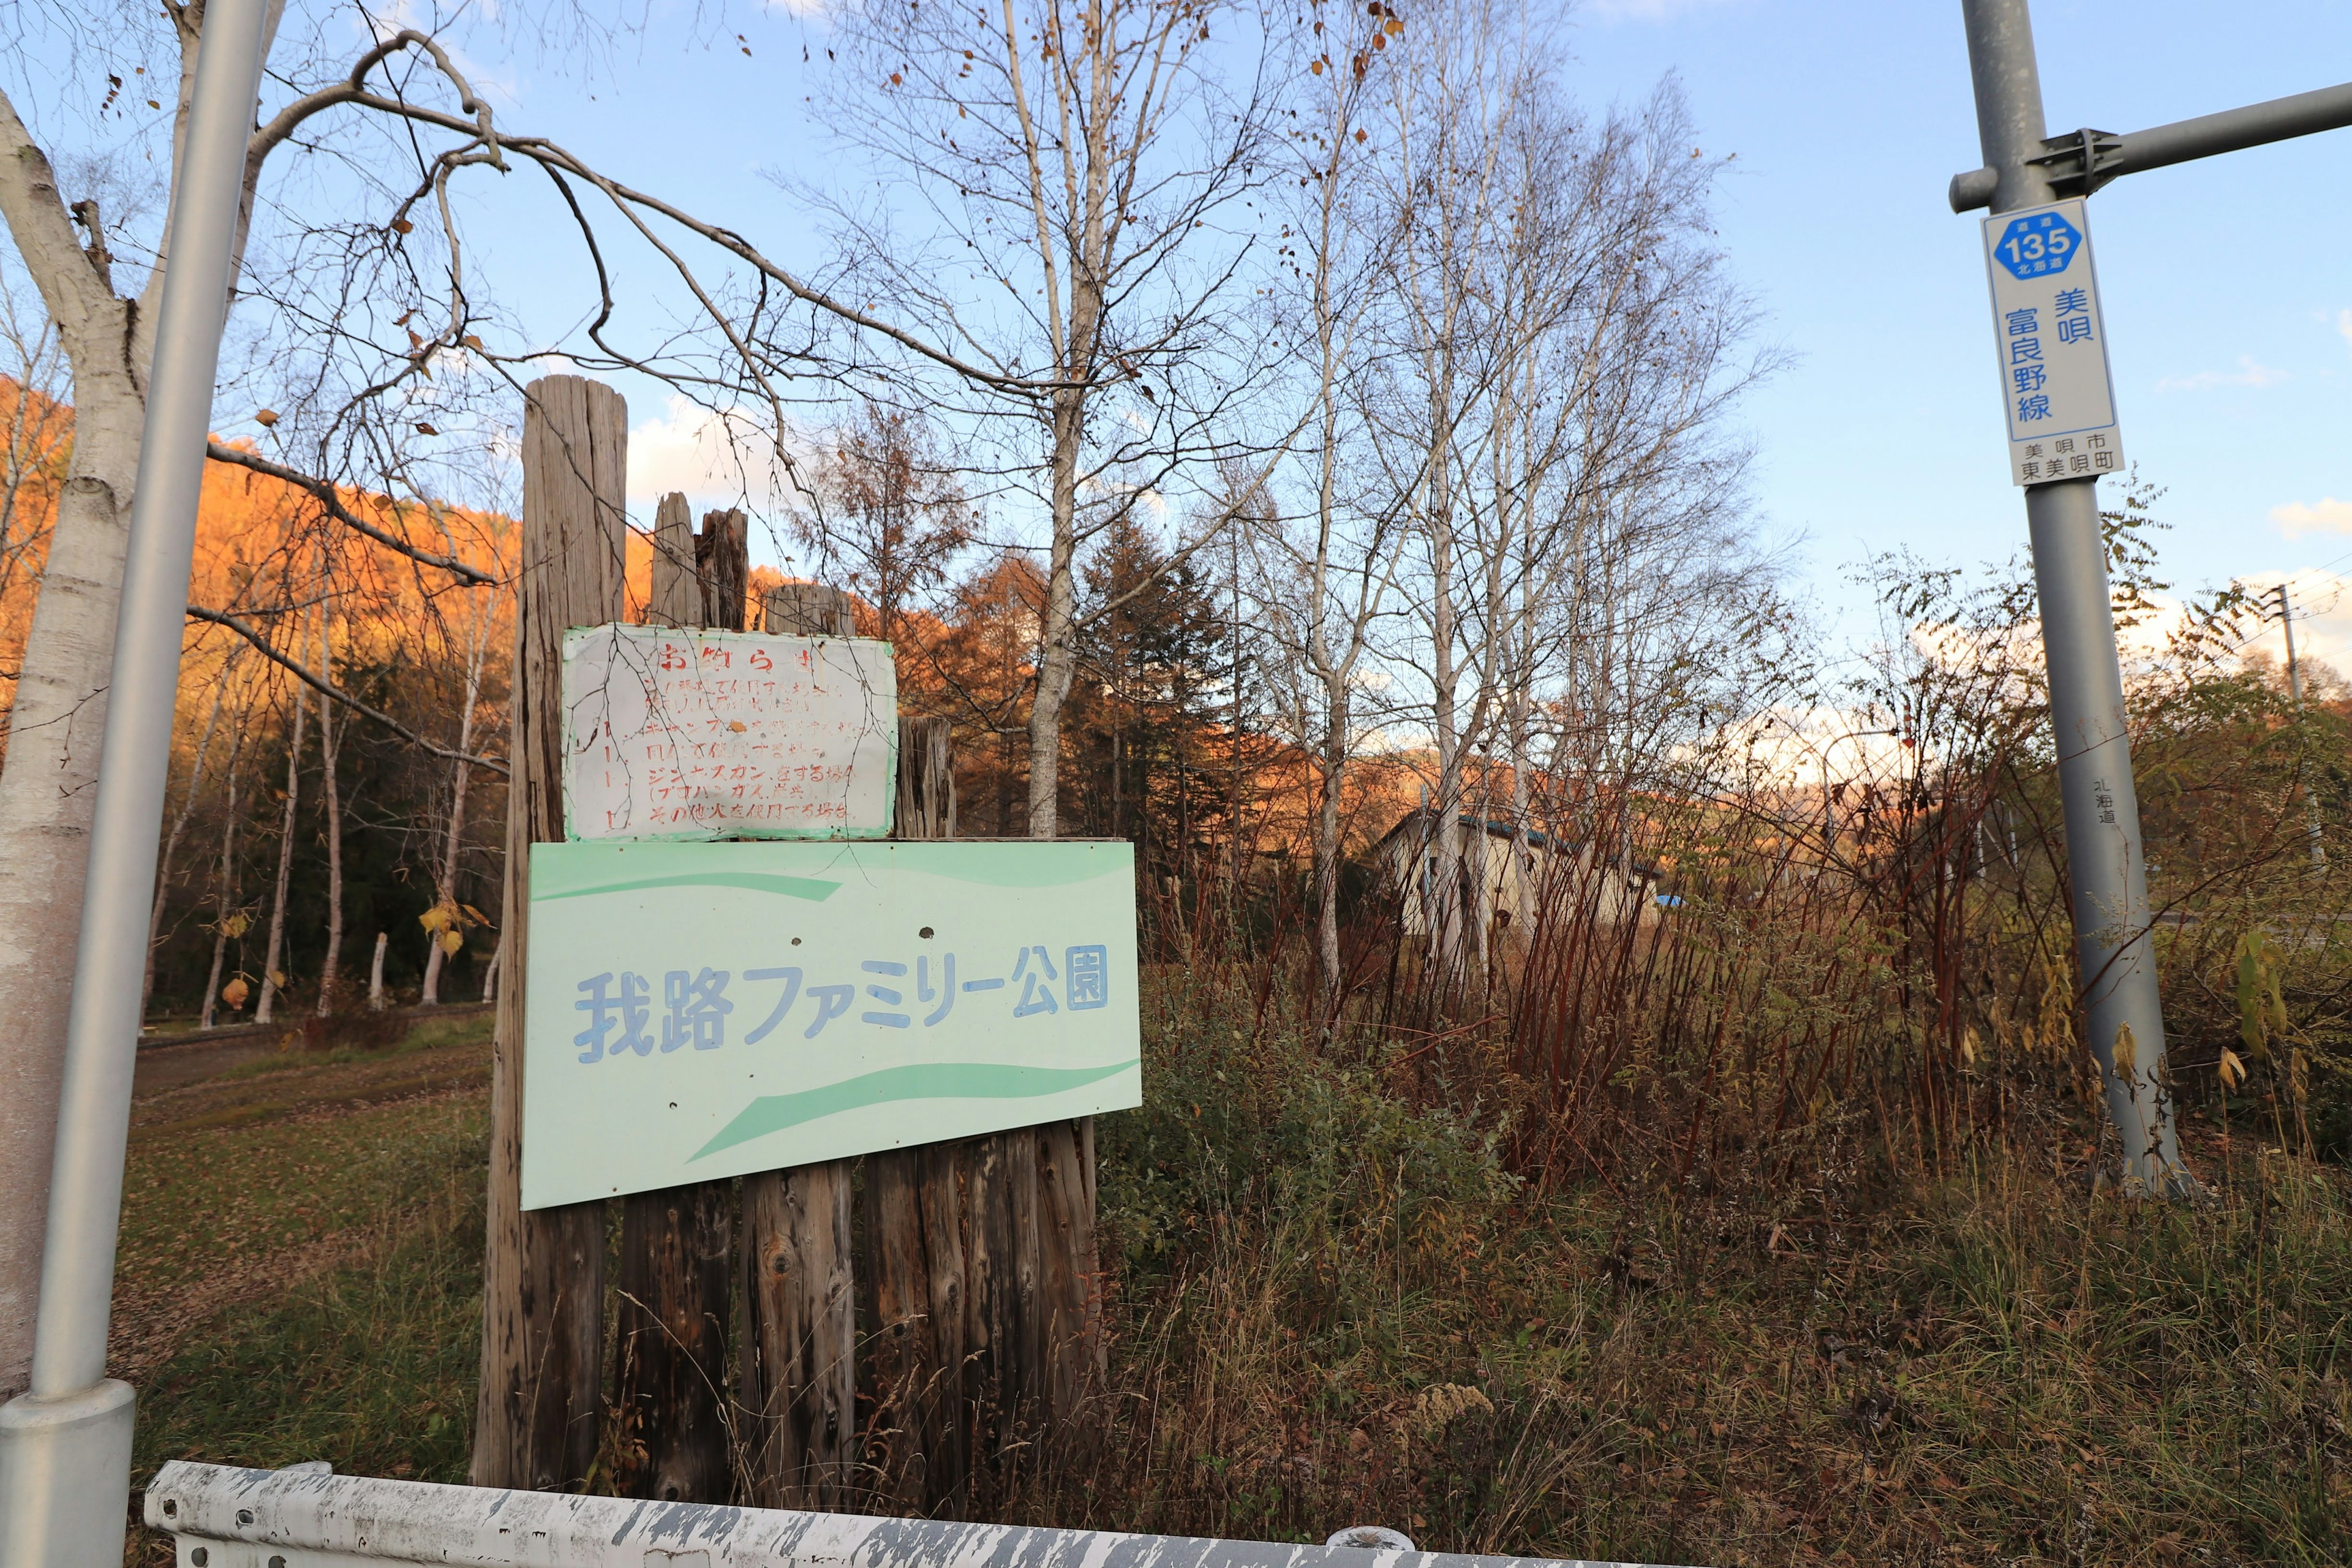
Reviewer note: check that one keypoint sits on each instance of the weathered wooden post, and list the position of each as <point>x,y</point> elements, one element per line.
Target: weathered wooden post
<point>981,1267</point>
<point>675,1285</point>
<point>918,1437</point>
<point>540,1409</point>
<point>800,1340</point>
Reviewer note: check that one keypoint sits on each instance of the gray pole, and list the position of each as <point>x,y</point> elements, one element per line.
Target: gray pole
<point>2293,671</point>
<point>2295,694</point>
<point>65,1444</point>
<point>2106,877</point>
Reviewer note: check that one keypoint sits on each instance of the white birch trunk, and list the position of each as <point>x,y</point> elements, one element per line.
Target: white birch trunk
<point>330,800</point>
<point>460,775</point>
<point>375,973</point>
<point>48,777</point>
<point>179,825</point>
<point>271,972</point>
<point>224,887</point>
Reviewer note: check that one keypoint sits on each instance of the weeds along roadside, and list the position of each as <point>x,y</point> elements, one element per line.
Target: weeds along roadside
<point>1334,1302</point>
<point>1332,1306</point>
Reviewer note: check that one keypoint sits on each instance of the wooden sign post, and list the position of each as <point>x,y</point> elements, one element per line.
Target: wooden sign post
<point>986,1352</point>
<point>800,1343</point>
<point>540,1409</point>
<point>677,1288</point>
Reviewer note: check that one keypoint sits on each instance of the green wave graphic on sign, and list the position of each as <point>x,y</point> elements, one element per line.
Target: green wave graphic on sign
<point>923,1080</point>
<point>807,888</point>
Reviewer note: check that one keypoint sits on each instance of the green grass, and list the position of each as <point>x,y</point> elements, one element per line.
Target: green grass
<point>1332,1307</point>
<point>369,1366</point>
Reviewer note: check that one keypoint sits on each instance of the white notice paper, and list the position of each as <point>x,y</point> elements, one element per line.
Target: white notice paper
<point>2051,345</point>
<point>684,734</point>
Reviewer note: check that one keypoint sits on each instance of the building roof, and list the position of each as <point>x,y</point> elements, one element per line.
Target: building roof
<point>1496,827</point>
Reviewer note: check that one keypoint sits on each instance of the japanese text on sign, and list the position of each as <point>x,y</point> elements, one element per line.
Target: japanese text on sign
<point>2057,395</point>
<point>686,734</point>
<point>695,1011</point>
<point>695,1005</point>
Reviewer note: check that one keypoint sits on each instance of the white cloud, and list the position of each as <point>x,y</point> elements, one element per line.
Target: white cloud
<point>711,457</point>
<point>2326,515</point>
<point>2323,615</point>
<point>2344,326</point>
<point>2248,374</point>
<point>498,83</point>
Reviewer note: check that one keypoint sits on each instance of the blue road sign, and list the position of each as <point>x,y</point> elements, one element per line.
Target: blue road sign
<point>2037,245</point>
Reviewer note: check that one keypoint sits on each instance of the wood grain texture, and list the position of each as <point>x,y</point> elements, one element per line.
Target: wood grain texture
<point>926,803</point>
<point>676,1296</point>
<point>989,1310</point>
<point>669,1354</point>
<point>898,1370</point>
<point>808,610</point>
<point>676,599</point>
<point>1069,1301</point>
<point>723,563</point>
<point>538,1411</point>
<point>799,1372</point>
<point>915,1443</point>
<point>941,1182</point>
<point>800,1363</point>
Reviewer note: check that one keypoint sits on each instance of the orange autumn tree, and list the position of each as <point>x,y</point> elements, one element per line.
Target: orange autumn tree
<point>35,431</point>
<point>330,768</point>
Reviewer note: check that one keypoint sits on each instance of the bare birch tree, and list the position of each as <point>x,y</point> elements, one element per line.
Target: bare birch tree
<point>1567,349</point>
<point>229,918</point>
<point>103,304</point>
<point>1069,162</point>
<point>273,978</point>
<point>1327,572</point>
<point>1462,80</point>
<point>482,611</point>
<point>331,730</point>
<point>170,852</point>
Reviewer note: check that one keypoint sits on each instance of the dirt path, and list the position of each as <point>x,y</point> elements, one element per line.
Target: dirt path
<point>252,1169</point>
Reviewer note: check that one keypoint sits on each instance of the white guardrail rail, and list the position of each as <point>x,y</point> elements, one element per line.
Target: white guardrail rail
<point>305,1518</point>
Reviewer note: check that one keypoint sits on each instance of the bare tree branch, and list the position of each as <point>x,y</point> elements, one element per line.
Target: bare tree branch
<point>472,576</point>
<point>197,612</point>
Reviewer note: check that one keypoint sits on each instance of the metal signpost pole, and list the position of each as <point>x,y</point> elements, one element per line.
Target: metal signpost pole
<point>65,1444</point>
<point>2025,169</point>
<point>2109,883</point>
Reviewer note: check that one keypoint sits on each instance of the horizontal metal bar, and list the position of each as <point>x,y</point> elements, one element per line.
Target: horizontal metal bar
<point>2160,146</point>
<point>1972,190</point>
<point>2328,109</point>
<point>245,1519</point>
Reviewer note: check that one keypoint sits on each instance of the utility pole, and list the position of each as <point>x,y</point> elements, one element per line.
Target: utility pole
<point>2286,624</point>
<point>64,1443</point>
<point>2026,168</point>
<point>2295,694</point>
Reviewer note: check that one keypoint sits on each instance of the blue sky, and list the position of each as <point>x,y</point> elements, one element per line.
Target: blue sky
<point>2227,285</point>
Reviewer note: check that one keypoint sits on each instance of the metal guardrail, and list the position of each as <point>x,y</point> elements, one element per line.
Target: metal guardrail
<point>226,1518</point>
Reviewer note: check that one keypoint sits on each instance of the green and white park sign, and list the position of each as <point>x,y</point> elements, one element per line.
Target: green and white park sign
<point>695,1011</point>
